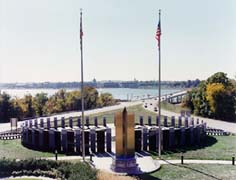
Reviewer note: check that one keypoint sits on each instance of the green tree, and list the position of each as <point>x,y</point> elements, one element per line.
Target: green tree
<point>6,108</point>
<point>39,102</point>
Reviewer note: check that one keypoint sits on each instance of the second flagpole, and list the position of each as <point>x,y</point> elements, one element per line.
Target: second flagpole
<point>159,85</point>
<point>82,86</point>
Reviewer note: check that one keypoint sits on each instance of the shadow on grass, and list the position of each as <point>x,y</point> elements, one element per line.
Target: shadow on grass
<point>209,141</point>
<point>192,169</point>
<point>147,176</point>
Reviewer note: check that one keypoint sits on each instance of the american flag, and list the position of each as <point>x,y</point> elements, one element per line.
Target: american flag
<point>81,29</point>
<point>158,33</point>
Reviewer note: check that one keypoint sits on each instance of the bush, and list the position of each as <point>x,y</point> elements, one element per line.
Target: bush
<point>47,168</point>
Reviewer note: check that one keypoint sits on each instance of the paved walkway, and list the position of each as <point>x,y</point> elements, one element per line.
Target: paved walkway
<point>191,161</point>
<point>226,126</point>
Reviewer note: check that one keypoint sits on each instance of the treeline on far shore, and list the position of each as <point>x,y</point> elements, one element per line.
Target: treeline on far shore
<point>102,84</point>
<point>41,104</point>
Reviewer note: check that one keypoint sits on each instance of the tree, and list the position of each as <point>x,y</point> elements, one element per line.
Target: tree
<point>5,108</point>
<point>39,101</point>
<point>28,106</point>
<point>107,99</point>
<point>215,98</point>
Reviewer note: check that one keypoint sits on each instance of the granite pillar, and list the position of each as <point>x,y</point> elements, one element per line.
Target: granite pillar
<point>104,122</point>
<point>180,121</point>
<point>165,121</point>
<point>48,123</point>
<point>41,123</point>
<point>182,136</point>
<point>141,120</point>
<point>64,143</point>
<point>173,121</point>
<point>172,138</point>
<point>77,140</point>
<point>55,123</point>
<point>108,139</point>
<point>93,140</point>
<point>145,137</point>
<point>79,122</point>
<point>149,121</point>
<point>95,121</point>
<point>87,121</point>
<point>52,140</point>
<point>186,122</point>
<point>62,122</point>
<point>70,122</point>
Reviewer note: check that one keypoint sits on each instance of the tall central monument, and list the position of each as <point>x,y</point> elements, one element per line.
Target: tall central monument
<point>124,160</point>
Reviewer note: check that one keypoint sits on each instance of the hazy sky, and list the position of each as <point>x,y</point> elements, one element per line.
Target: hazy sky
<point>39,39</point>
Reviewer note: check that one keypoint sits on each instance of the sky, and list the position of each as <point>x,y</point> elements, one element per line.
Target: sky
<point>39,39</point>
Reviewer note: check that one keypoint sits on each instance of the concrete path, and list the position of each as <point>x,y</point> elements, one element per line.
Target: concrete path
<point>226,126</point>
<point>190,161</point>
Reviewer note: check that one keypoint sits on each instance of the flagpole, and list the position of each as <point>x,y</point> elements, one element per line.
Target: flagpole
<point>159,85</point>
<point>82,86</point>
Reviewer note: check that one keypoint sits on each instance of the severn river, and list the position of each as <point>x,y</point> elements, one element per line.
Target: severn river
<point>118,93</point>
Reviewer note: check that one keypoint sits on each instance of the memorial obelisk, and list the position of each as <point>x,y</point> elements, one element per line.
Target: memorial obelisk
<point>124,160</point>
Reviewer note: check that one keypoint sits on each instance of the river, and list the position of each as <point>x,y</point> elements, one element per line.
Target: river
<point>118,93</point>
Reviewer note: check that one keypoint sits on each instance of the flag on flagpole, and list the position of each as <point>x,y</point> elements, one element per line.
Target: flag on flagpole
<point>81,29</point>
<point>158,33</point>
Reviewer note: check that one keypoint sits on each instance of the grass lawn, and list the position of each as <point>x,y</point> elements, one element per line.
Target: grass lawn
<point>24,179</point>
<point>215,148</point>
<point>174,108</point>
<point>13,149</point>
<point>138,110</point>
<point>192,171</point>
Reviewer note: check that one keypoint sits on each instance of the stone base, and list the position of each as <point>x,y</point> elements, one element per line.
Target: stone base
<point>125,165</point>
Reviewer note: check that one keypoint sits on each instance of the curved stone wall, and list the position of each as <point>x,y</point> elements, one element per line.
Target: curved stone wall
<point>50,135</point>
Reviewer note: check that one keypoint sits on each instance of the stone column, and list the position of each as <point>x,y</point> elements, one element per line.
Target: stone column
<point>41,123</point>
<point>149,121</point>
<point>30,123</point>
<point>165,121</point>
<point>26,123</point>
<point>93,140</point>
<point>87,121</point>
<point>52,144</point>
<point>108,139</point>
<point>62,122</point>
<point>192,121</point>
<point>180,121</point>
<point>197,121</point>
<point>95,121</point>
<point>186,122</point>
<point>79,122</point>
<point>36,123</point>
<point>26,135</point>
<point>157,121</point>
<point>48,123</point>
<point>157,138</point>
<point>145,134</point>
<point>104,122</point>
<point>198,137</point>
<point>41,138</point>
<point>33,137</point>
<point>191,136</point>
<point>55,122</point>
<point>172,138</point>
<point>182,136</point>
<point>141,120</point>
<point>70,122</point>
<point>64,140</point>
<point>77,140</point>
<point>173,121</point>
